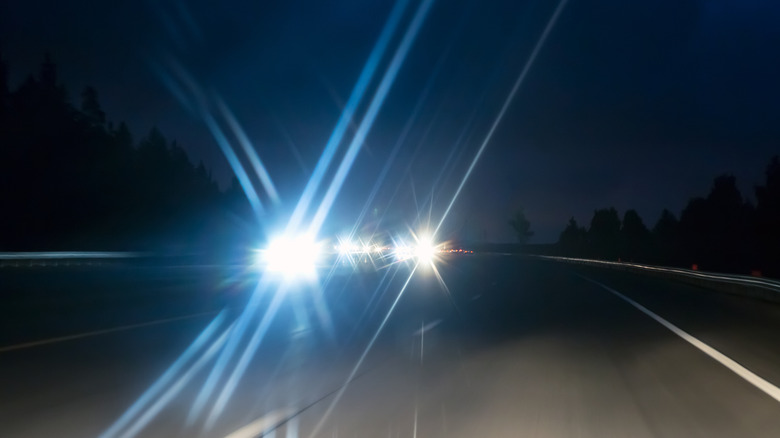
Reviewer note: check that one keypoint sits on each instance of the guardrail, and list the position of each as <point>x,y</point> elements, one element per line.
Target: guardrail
<point>737,284</point>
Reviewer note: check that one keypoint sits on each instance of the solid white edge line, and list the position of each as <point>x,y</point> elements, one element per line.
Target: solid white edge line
<point>765,386</point>
<point>100,332</point>
<point>725,278</point>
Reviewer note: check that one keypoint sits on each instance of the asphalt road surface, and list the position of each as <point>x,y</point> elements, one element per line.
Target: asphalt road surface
<point>512,347</point>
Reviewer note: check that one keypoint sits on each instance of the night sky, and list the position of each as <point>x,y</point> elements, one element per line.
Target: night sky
<point>629,104</point>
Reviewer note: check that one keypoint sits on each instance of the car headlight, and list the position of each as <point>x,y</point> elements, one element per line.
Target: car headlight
<point>291,256</point>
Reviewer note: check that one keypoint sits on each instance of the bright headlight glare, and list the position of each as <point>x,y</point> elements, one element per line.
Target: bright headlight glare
<point>291,256</point>
<point>425,250</point>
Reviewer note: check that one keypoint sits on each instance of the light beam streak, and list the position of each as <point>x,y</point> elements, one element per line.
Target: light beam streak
<point>323,314</point>
<point>346,116</point>
<point>176,388</point>
<point>397,147</point>
<point>444,287</point>
<point>374,300</point>
<point>371,113</point>
<point>173,87</point>
<point>505,106</point>
<point>402,139</point>
<point>249,150</point>
<point>407,170</point>
<point>189,20</point>
<point>447,168</point>
<point>249,352</point>
<point>235,164</point>
<point>355,369</point>
<point>165,379</point>
<point>293,148</point>
<point>227,353</point>
<point>219,136</point>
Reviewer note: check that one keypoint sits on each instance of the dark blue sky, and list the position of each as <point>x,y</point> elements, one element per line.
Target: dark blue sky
<point>629,104</point>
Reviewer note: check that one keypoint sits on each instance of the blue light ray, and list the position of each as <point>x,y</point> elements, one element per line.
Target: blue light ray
<point>447,168</point>
<point>234,333</point>
<point>227,353</point>
<point>510,97</point>
<point>355,369</point>
<point>246,357</point>
<point>176,388</point>
<point>293,148</point>
<point>189,21</point>
<point>371,113</point>
<point>414,195</point>
<point>249,150</point>
<point>169,24</point>
<point>199,98</point>
<point>173,87</point>
<point>346,116</point>
<point>408,168</point>
<point>166,378</point>
<point>323,313</point>
<point>444,287</point>
<point>235,164</point>
<point>219,136</point>
<point>376,297</point>
<point>396,148</point>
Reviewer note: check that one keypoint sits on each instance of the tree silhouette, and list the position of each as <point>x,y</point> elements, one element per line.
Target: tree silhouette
<point>768,218</point>
<point>573,239</point>
<point>665,236</point>
<point>4,90</point>
<point>521,226</point>
<point>90,107</point>
<point>634,237</point>
<point>70,180</point>
<point>604,233</point>
<point>720,232</point>
<point>715,230</point>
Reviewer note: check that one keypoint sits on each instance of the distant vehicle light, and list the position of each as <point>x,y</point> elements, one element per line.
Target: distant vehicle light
<point>345,248</point>
<point>403,252</point>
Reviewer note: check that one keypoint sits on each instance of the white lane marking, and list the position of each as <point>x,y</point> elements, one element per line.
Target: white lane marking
<point>101,332</point>
<point>427,327</point>
<point>422,341</point>
<point>421,334</point>
<point>757,381</point>
<point>414,434</point>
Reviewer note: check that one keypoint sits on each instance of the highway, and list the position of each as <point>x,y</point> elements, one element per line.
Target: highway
<point>513,347</point>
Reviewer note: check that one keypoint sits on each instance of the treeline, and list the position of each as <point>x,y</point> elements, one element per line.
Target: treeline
<point>720,232</point>
<point>70,179</point>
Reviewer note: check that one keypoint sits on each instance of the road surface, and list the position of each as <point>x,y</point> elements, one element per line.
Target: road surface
<point>513,347</point>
